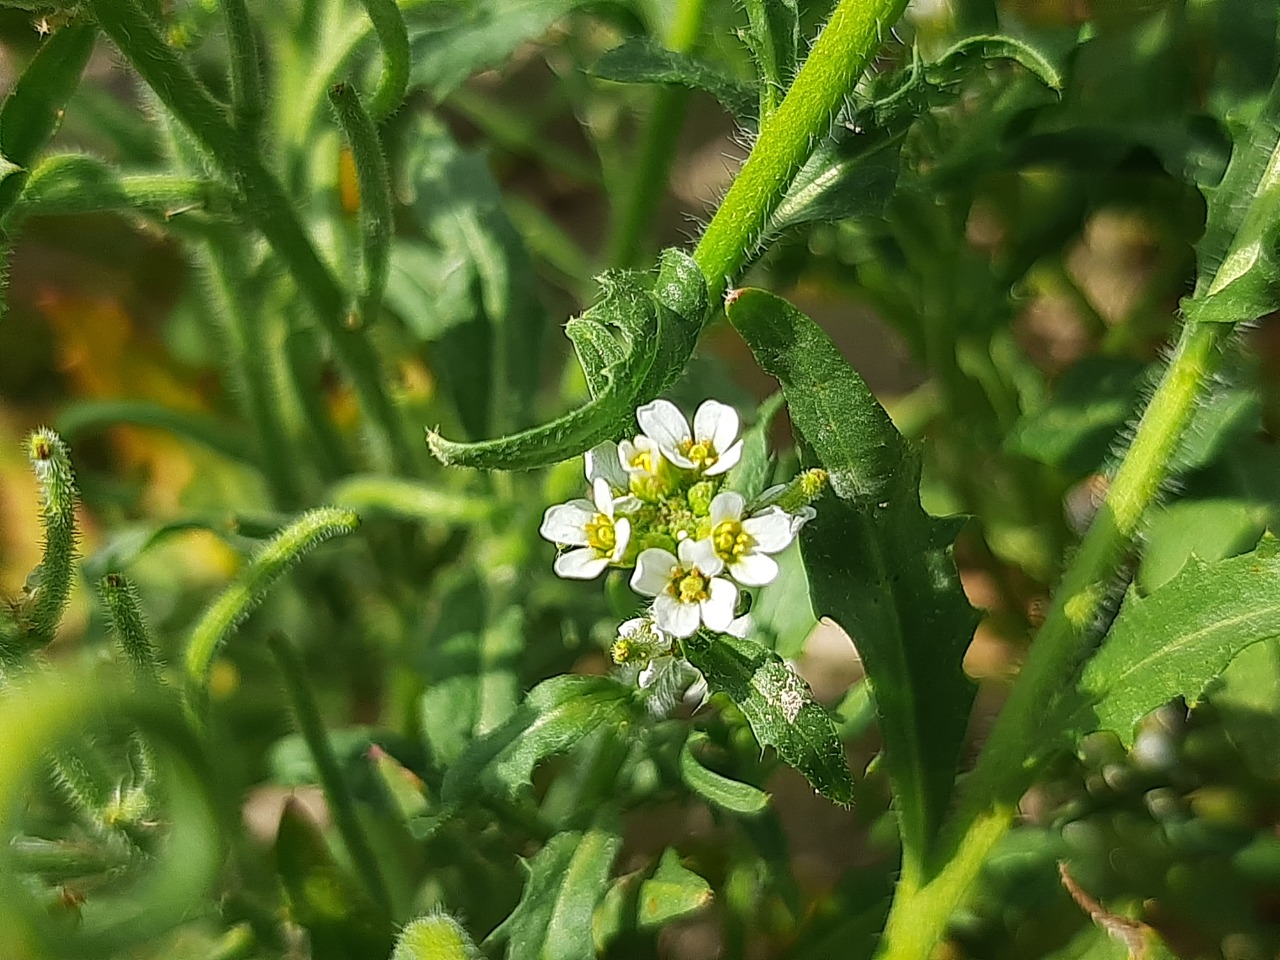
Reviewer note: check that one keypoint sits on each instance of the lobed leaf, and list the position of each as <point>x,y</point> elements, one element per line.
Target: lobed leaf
<point>1175,641</point>
<point>644,60</point>
<point>567,880</point>
<point>878,564</point>
<point>780,708</point>
<point>557,715</point>
<point>1238,257</point>
<point>657,331</point>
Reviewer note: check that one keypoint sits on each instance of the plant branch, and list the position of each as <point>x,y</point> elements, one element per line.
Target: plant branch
<point>838,58</point>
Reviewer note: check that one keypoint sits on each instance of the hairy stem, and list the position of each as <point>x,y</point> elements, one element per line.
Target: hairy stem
<point>269,208</point>
<point>124,612</point>
<point>246,73</point>
<point>662,130</point>
<point>341,803</point>
<point>838,58</point>
<point>394,38</point>
<point>50,584</point>
<point>989,797</point>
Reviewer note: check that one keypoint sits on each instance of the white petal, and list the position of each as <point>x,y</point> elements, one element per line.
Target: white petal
<point>754,570</point>
<point>727,460</point>
<point>741,627</point>
<point>701,554</point>
<point>717,610</point>
<point>581,564</point>
<point>653,571</point>
<point>634,625</point>
<point>717,422</point>
<point>678,619</point>
<point>663,422</point>
<point>627,504</point>
<point>566,522</point>
<point>727,505</point>
<point>772,530</point>
<point>799,519</point>
<point>621,537</point>
<point>697,693</point>
<point>602,494</point>
<point>602,461</point>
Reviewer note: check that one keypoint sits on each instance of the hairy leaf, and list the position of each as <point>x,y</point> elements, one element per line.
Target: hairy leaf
<point>556,715</point>
<point>489,329</point>
<point>643,60</point>
<point>1175,641</point>
<point>1238,257</point>
<point>567,880</point>
<point>731,795</point>
<point>656,330</point>
<point>780,708</point>
<point>878,564</point>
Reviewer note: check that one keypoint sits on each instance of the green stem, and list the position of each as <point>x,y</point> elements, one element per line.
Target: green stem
<point>394,37</point>
<point>269,208</point>
<point>838,58</point>
<point>124,611</point>
<point>990,795</point>
<point>375,195</point>
<point>662,130</point>
<point>342,805</point>
<point>227,439</point>
<point>47,599</point>
<point>246,73</point>
<point>75,183</point>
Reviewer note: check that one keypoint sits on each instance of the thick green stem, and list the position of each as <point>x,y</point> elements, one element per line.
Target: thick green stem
<point>989,796</point>
<point>662,130</point>
<point>269,208</point>
<point>842,52</point>
<point>342,805</point>
<point>246,73</point>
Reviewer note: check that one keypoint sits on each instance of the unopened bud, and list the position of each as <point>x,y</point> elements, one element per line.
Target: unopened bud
<point>796,495</point>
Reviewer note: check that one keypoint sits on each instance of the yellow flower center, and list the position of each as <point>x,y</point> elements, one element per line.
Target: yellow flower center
<point>643,460</point>
<point>625,649</point>
<point>701,452</point>
<point>731,541</point>
<point>600,534</point>
<point>689,585</point>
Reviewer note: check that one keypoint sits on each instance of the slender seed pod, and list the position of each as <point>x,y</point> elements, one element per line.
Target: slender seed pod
<point>120,597</point>
<point>49,585</point>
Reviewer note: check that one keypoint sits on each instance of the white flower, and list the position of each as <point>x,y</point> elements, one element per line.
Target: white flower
<point>647,657</point>
<point>686,591</point>
<point>595,528</point>
<point>604,463</point>
<point>711,447</point>
<point>743,546</point>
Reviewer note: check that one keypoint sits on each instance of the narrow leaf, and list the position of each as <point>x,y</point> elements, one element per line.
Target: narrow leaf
<point>732,795</point>
<point>567,880</point>
<point>780,708</point>
<point>878,564</point>
<point>674,891</point>
<point>643,60</point>
<point>1174,642</point>
<point>773,37</point>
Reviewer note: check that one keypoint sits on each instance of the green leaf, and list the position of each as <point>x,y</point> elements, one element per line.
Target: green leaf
<point>32,112</point>
<point>657,332</point>
<point>674,891</point>
<point>850,174</point>
<point>780,708</point>
<point>488,341</point>
<point>643,60</point>
<point>878,564</point>
<point>783,610</point>
<point>462,39</point>
<point>1175,641</point>
<point>1210,528</point>
<point>773,37</point>
<point>732,795</point>
<point>323,898</point>
<point>959,59</point>
<point>556,716</point>
<point>567,880</point>
<point>469,665</point>
<point>1238,273</point>
<point>1078,427</point>
<point>752,472</point>
<point>370,494</point>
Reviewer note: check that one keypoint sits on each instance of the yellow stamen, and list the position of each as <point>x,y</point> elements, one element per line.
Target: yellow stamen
<point>601,536</point>
<point>730,540</point>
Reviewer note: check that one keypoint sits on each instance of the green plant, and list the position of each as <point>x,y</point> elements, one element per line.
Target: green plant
<point>482,734</point>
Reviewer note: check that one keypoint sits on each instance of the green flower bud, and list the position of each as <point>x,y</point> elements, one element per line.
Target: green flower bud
<point>700,496</point>
<point>797,494</point>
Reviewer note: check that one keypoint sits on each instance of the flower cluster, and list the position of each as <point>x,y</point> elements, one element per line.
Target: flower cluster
<point>659,503</point>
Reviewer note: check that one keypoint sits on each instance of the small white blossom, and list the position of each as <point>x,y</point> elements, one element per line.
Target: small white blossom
<point>712,447</point>
<point>745,545</point>
<point>647,657</point>
<point>603,462</point>
<point>687,591</point>
<point>595,528</point>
